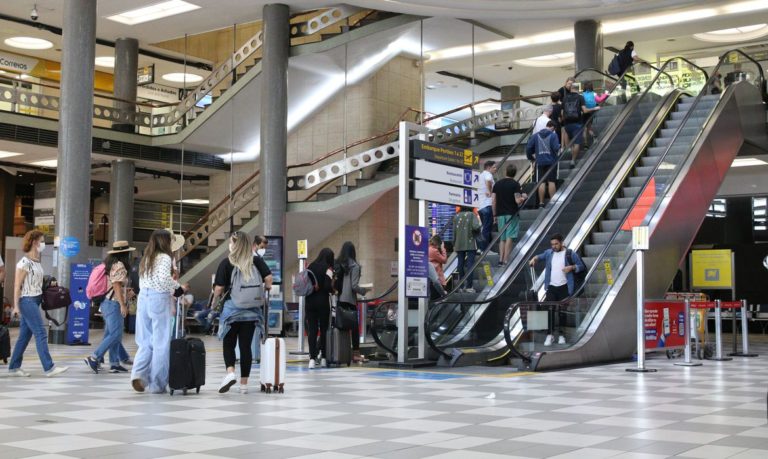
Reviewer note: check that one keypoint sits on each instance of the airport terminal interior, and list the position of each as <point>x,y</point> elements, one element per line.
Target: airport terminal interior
<point>479,229</point>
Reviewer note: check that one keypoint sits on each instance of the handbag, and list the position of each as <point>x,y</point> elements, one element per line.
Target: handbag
<point>55,297</point>
<point>345,318</point>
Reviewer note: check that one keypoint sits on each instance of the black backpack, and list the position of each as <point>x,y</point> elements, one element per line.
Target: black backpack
<point>578,276</point>
<point>572,107</point>
<point>614,68</point>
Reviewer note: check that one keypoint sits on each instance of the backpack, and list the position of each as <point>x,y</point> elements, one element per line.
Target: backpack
<point>247,294</point>
<point>589,99</point>
<point>572,107</point>
<point>98,283</point>
<point>578,277</point>
<point>305,283</point>
<point>544,156</point>
<point>614,68</point>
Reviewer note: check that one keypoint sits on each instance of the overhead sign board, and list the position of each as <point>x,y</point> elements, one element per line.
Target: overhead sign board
<point>443,154</point>
<point>145,75</point>
<point>445,194</point>
<point>445,174</point>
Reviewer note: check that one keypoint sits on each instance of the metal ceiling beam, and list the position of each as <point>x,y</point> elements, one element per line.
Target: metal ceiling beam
<point>491,29</point>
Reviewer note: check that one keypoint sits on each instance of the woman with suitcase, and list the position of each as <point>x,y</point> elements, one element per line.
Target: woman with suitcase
<point>318,305</point>
<point>240,280</point>
<point>347,270</point>
<point>158,286</point>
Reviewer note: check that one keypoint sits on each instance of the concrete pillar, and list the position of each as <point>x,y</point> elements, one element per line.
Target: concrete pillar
<point>121,201</point>
<point>274,120</point>
<point>510,95</point>
<point>588,49</point>
<point>73,174</point>
<point>126,65</point>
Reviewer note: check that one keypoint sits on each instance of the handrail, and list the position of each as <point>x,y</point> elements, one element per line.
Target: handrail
<point>223,201</point>
<point>653,172</point>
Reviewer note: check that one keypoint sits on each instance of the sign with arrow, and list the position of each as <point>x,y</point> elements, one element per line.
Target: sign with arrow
<point>443,154</point>
<point>445,174</point>
<point>446,194</point>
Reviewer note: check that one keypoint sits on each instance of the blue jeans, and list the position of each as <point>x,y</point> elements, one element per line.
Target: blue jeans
<point>31,324</point>
<point>466,259</point>
<point>153,338</point>
<point>486,217</point>
<point>113,332</point>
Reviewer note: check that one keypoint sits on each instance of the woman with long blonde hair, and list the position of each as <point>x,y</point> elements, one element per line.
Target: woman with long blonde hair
<point>240,283</point>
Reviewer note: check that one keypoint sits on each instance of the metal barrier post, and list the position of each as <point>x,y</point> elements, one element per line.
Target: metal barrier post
<point>718,334</point>
<point>687,362</point>
<point>640,244</point>
<point>300,348</point>
<point>744,332</point>
<point>364,313</point>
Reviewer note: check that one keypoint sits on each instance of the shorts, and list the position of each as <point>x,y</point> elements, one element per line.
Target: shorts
<point>573,129</point>
<point>512,230</point>
<point>542,170</point>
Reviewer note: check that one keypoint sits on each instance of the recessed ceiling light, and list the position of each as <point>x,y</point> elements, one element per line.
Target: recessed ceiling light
<point>549,60</point>
<point>746,162</point>
<point>46,163</point>
<point>105,61</point>
<point>152,12</point>
<point>202,202</point>
<point>180,77</point>
<point>8,154</point>
<point>735,34</point>
<point>28,43</point>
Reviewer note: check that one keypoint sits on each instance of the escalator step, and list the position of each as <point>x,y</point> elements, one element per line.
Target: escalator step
<point>624,203</point>
<point>675,150</point>
<point>609,225</point>
<point>664,141</point>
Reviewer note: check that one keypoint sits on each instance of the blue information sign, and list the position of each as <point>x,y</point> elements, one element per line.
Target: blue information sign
<point>79,310</point>
<point>69,246</point>
<point>416,261</point>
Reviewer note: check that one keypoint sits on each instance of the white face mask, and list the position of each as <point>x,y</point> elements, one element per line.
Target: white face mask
<point>261,252</point>
<point>41,247</point>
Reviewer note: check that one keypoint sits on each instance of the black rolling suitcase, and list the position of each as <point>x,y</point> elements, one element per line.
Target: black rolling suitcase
<point>187,366</point>
<point>338,343</point>
<point>5,344</point>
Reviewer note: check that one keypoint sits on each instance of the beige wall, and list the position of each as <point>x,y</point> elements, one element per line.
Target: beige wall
<point>374,106</point>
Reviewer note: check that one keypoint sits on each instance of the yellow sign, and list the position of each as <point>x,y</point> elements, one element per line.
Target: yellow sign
<point>301,247</point>
<point>488,274</point>
<point>608,272</point>
<point>711,269</point>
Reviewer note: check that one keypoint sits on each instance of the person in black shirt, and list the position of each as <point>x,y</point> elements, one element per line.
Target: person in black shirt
<point>317,306</point>
<point>556,115</point>
<point>507,196</point>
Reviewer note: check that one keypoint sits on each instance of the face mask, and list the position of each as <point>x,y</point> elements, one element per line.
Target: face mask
<point>41,247</point>
<point>261,252</point>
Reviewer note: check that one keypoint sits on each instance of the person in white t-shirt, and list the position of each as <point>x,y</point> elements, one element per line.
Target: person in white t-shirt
<point>559,280</point>
<point>485,209</point>
<point>543,119</point>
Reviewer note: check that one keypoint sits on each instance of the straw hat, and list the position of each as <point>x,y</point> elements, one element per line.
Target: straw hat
<point>120,247</point>
<point>177,240</point>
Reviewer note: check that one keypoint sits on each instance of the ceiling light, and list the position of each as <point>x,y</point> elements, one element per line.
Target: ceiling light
<point>8,154</point>
<point>105,61</point>
<point>735,34</point>
<point>46,163</point>
<point>152,12</point>
<point>202,202</point>
<point>549,60</point>
<point>747,162</point>
<point>179,77</point>
<point>28,43</point>
<point>658,20</point>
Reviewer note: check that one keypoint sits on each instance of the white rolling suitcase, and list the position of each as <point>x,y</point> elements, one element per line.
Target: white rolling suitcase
<point>272,367</point>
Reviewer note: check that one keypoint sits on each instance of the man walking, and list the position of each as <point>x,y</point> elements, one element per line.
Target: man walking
<point>486,203</point>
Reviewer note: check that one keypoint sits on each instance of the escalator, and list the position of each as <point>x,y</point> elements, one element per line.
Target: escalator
<point>666,182</point>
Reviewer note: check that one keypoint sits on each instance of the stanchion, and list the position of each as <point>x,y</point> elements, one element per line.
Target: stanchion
<point>300,347</point>
<point>364,314</point>
<point>719,334</point>
<point>744,333</point>
<point>687,362</point>
<point>640,270</point>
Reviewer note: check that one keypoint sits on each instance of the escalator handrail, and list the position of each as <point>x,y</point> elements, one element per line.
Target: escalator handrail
<point>655,169</point>
<point>375,334</point>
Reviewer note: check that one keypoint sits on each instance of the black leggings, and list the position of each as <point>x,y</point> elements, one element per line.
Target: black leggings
<point>355,332</point>
<point>241,332</point>
<point>317,319</point>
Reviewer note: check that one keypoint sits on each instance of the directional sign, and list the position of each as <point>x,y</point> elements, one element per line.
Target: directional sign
<point>445,174</point>
<point>445,194</point>
<point>443,154</point>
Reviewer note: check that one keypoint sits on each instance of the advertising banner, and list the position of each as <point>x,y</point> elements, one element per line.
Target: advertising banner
<point>711,269</point>
<point>79,310</point>
<point>273,257</point>
<point>416,261</point>
<point>664,323</point>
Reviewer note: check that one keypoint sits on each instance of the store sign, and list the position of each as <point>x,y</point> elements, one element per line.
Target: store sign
<point>445,194</point>
<point>445,174</point>
<point>16,63</point>
<point>416,262</point>
<point>443,154</point>
<point>712,269</point>
<point>145,75</point>
<point>158,92</point>
<point>664,324</point>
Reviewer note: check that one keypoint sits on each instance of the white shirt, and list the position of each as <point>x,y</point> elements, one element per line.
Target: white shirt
<point>33,281</point>
<point>486,197</point>
<point>158,278</point>
<point>1,262</point>
<point>557,276</point>
<point>541,123</point>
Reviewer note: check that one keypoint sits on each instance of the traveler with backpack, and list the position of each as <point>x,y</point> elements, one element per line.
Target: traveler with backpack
<point>563,274</point>
<point>317,306</point>
<point>556,115</point>
<point>623,60</point>
<point>158,286</point>
<point>27,298</point>
<point>542,149</point>
<point>347,272</point>
<point>108,282</point>
<point>259,250</point>
<point>507,197</point>
<point>574,108</point>
<point>466,225</point>
<point>240,282</point>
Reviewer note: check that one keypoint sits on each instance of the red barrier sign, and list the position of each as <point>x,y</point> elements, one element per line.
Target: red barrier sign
<point>730,304</point>
<point>664,324</point>
<point>702,305</point>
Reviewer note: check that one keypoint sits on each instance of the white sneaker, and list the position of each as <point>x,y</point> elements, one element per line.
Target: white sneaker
<point>18,372</point>
<point>56,371</point>
<point>561,340</point>
<point>243,389</point>
<point>229,380</point>
<point>323,363</point>
<point>311,364</point>
<point>548,340</point>
<point>470,290</point>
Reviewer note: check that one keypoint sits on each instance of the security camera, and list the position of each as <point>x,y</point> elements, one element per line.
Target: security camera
<point>33,14</point>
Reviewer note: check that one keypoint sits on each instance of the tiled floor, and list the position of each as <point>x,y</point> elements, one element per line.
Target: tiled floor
<point>714,411</point>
